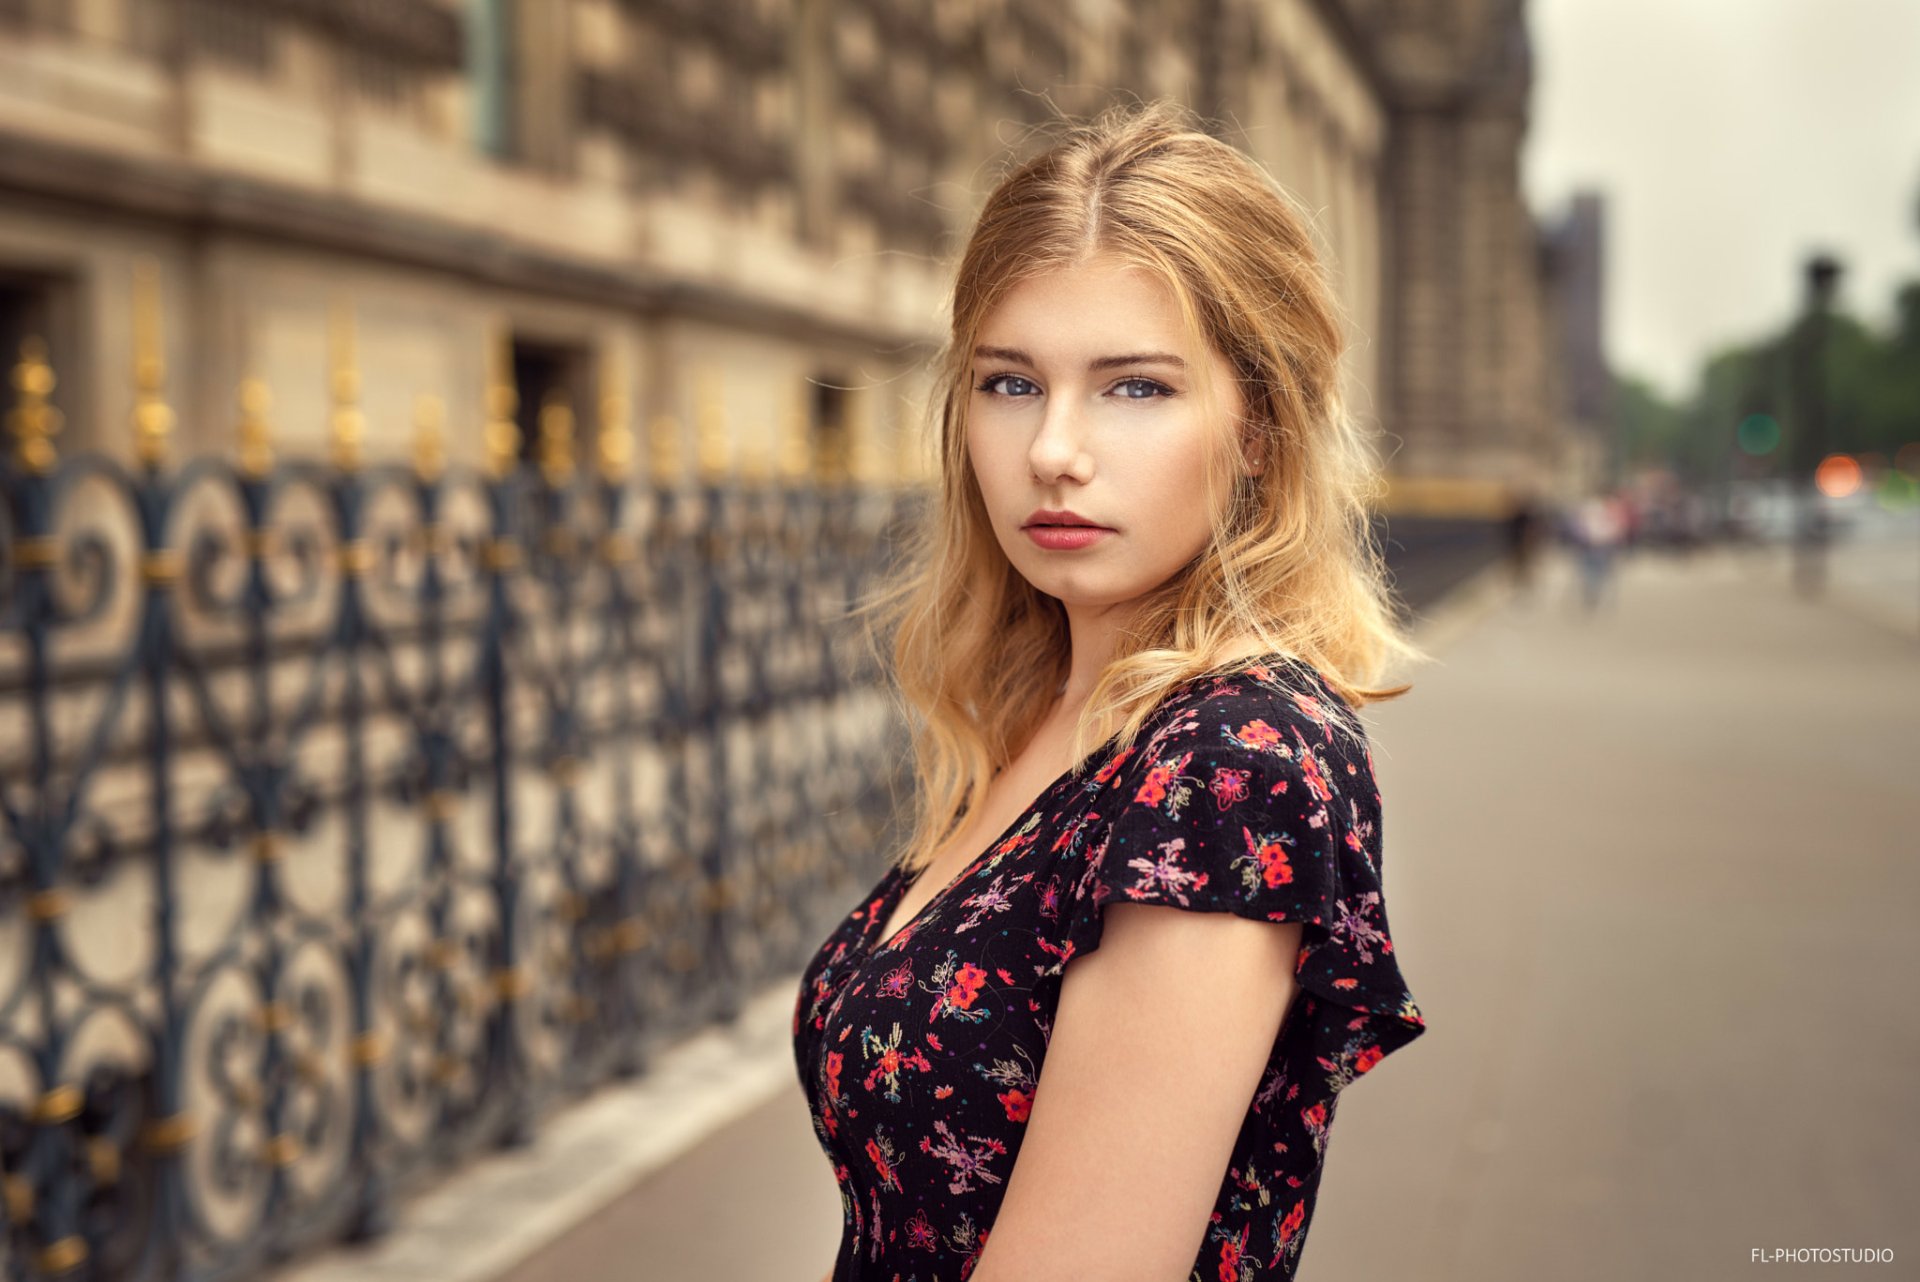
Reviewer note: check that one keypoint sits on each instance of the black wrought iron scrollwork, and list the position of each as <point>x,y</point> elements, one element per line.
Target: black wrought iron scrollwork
<point>354,814</point>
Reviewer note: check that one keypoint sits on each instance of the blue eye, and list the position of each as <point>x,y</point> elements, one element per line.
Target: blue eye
<point>987,384</point>
<point>991,383</point>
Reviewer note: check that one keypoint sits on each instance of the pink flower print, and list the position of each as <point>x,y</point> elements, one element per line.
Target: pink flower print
<point>1228,786</point>
<point>966,1160</point>
<point>1163,871</point>
<point>921,1235</point>
<point>1050,899</point>
<point>898,981</point>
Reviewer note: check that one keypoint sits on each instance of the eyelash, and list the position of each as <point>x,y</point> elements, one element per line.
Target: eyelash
<point>1160,389</point>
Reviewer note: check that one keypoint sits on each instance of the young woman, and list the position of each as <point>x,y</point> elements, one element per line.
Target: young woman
<point>1094,1021</point>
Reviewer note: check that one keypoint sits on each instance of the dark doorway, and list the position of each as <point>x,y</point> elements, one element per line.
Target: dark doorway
<point>546,372</point>
<point>42,305</point>
<point>828,430</point>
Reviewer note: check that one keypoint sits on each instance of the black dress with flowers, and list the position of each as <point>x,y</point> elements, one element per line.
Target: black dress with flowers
<point>919,1056</point>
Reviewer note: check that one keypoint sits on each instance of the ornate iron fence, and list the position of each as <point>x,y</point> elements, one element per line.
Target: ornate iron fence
<point>353,814</point>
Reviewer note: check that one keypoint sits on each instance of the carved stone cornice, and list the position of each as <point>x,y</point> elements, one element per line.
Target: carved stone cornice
<point>67,180</point>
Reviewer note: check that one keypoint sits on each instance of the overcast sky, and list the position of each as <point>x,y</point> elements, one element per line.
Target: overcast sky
<point>1731,138</point>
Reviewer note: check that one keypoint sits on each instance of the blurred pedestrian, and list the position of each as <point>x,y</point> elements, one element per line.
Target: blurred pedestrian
<point>1522,541</point>
<point>1598,528</point>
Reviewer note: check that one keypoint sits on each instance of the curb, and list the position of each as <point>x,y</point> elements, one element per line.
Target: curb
<point>488,1216</point>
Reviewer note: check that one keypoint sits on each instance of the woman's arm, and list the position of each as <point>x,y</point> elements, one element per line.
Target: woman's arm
<point>1158,1045</point>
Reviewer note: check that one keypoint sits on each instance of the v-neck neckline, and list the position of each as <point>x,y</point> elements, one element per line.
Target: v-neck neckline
<point>892,899</point>
<point>901,885</point>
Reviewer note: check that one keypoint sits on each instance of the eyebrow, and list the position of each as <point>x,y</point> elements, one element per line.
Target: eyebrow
<point>1098,363</point>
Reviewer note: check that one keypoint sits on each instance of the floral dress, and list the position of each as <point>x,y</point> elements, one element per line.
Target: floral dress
<point>919,1056</point>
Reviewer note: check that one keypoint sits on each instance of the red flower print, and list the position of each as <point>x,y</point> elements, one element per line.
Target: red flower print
<point>1112,768</point>
<point>1366,1059</point>
<point>1317,712</point>
<point>966,986</point>
<point>881,1165</point>
<point>1017,1103</point>
<point>1153,789</point>
<point>1229,786</point>
<point>1315,1116</point>
<point>1291,1225</point>
<point>1274,868</point>
<point>934,1041</point>
<point>834,1060</point>
<point>1005,978</point>
<point>1310,767</point>
<point>1258,734</point>
<point>1345,984</point>
<point>973,1256</point>
<point>941,1092</point>
<point>1230,1253</point>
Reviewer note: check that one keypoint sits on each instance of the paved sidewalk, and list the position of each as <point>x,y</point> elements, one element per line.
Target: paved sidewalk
<point>1653,878</point>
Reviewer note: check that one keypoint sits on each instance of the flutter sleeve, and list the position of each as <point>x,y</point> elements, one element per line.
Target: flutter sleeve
<point>1253,802</point>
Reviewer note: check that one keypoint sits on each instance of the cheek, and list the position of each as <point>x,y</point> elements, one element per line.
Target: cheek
<point>980,460</point>
<point>1161,494</point>
<point>1168,481</point>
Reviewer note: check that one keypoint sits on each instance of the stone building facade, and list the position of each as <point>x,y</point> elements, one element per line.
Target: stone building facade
<point>735,211</point>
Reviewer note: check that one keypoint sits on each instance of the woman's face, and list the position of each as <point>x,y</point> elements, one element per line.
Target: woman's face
<point>1085,400</point>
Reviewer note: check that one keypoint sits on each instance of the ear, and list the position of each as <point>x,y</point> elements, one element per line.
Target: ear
<point>1253,459</point>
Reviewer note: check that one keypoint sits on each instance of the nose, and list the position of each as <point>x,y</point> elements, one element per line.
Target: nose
<point>1060,444</point>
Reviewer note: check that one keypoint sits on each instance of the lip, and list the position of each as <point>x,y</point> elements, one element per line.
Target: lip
<point>1066,538</point>
<point>1061,517</point>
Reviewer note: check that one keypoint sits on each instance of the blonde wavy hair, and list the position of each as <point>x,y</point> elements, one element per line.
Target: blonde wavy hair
<point>978,654</point>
